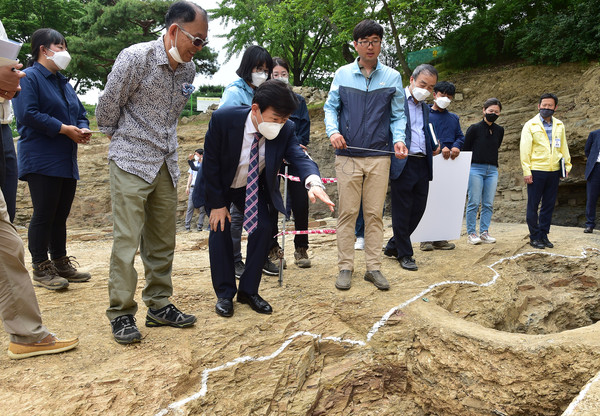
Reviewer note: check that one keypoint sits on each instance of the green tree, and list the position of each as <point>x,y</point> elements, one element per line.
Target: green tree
<point>418,24</point>
<point>110,26</point>
<point>23,17</point>
<point>96,31</point>
<point>312,35</point>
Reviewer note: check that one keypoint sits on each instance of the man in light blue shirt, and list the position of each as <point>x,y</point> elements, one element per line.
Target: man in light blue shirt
<point>364,119</point>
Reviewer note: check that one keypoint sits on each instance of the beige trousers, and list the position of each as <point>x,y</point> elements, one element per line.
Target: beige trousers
<point>19,308</point>
<point>361,179</point>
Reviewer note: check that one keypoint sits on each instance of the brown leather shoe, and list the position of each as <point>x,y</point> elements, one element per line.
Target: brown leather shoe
<point>49,345</point>
<point>46,275</point>
<point>64,267</point>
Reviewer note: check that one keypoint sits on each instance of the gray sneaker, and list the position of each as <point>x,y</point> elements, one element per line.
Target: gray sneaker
<point>344,280</point>
<point>46,275</point>
<point>375,277</point>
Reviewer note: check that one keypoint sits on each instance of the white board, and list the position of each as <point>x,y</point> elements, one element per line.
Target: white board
<point>443,215</point>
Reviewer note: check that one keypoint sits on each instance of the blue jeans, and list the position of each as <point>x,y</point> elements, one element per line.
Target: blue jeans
<point>482,189</point>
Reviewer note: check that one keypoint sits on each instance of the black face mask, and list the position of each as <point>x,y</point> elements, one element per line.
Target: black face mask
<point>491,117</point>
<point>546,112</point>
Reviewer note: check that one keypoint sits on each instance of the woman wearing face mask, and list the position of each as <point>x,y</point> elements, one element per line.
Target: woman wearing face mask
<point>255,68</point>
<point>484,140</point>
<point>52,122</point>
<point>297,192</point>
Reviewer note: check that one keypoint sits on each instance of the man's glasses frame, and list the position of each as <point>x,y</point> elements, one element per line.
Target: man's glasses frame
<point>367,43</point>
<point>195,40</point>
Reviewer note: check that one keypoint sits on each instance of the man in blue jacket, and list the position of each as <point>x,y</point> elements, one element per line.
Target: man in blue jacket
<point>364,119</point>
<point>410,177</point>
<point>592,176</point>
<point>243,152</point>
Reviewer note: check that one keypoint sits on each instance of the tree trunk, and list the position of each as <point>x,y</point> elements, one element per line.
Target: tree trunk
<point>399,52</point>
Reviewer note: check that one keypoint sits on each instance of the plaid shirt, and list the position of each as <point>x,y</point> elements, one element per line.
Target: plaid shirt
<point>140,107</point>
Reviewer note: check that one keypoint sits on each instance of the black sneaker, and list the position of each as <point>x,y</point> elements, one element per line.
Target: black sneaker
<point>124,329</point>
<point>270,268</point>
<point>239,267</point>
<point>169,316</point>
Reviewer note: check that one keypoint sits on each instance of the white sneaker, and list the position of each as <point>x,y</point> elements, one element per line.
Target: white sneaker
<point>359,244</point>
<point>473,239</point>
<point>486,238</point>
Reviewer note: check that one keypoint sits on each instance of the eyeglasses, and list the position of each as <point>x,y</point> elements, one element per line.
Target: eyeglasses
<point>367,43</point>
<point>198,42</point>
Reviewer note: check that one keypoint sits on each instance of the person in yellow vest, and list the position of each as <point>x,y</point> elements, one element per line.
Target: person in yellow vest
<point>543,150</point>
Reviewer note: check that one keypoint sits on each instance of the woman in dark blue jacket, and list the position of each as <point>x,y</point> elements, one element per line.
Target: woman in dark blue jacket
<point>52,122</point>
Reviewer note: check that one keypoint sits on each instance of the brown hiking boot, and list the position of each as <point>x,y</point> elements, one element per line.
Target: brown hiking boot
<point>65,268</point>
<point>301,258</point>
<point>49,345</point>
<point>46,275</point>
<point>274,255</point>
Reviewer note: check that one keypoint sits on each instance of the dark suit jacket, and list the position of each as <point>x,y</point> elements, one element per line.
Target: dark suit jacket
<point>592,148</point>
<point>222,149</point>
<point>397,165</point>
<point>198,196</point>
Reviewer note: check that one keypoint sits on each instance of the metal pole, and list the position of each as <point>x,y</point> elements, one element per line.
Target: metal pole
<point>285,183</point>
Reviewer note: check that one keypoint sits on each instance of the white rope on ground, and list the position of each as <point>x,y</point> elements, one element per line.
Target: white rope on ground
<point>176,406</point>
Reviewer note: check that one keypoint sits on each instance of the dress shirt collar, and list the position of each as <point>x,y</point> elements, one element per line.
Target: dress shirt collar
<point>249,126</point>
<point>409,96</point>
<point>46,72</point>
<point>161,52</point>
<point>544,122</point>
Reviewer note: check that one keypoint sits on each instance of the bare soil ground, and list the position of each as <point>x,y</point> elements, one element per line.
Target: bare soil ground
<point>422,360</point>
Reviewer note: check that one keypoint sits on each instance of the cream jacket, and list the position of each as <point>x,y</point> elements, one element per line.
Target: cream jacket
<point>536,152</point>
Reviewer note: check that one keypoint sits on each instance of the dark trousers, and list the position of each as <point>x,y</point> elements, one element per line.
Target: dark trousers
<point>10,182</point>
<point>220,248</point>
<point>593,192</point>
<point>52,198</point>
<point>409,199</point>
<point>298,200</point>
<point>544,188</point>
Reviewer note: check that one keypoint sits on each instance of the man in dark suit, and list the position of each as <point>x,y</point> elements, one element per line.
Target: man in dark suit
<point>410,176</point>
<point>243,151</point>
<point>592,176</point>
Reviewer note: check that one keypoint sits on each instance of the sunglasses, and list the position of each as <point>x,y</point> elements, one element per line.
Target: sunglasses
<point>198,42</point>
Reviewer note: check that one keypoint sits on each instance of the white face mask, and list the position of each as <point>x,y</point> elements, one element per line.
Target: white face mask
<point>420,94</point>
<point>258,78</point>
<point>61,59</point>
<point>174,52</point>
<point>196,158</point>
<point>269,130</point>
<point>285,80</point>
<point>443,102</point>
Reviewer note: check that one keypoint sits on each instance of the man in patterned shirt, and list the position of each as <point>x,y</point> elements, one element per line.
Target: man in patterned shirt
<point>146,91</point>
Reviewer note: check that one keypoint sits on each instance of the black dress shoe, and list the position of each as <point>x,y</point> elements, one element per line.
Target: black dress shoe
<point>588,230</point>
<point>224,307</point>
<point>408,263</point>
<point>255,301</point>
<point>537,244</point>
<point>390,252</point>
<point>547,242</point>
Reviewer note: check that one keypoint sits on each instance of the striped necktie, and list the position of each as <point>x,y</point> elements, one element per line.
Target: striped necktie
<point>251,206</point>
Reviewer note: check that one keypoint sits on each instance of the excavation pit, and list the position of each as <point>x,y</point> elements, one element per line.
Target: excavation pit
<point>535,294</point>
<point>524,345</point>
